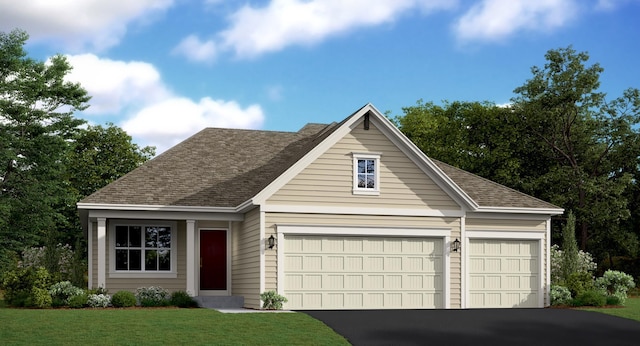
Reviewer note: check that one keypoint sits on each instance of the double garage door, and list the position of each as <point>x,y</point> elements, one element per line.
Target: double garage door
<point>352,272</point>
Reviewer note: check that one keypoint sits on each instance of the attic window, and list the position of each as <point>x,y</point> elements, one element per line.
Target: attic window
<point>366,174</point>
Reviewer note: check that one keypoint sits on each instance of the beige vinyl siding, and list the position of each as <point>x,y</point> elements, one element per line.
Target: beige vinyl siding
<point>328,181</point>
<point>130,284</point>
<point>245,262</point>
<point>453,224</point>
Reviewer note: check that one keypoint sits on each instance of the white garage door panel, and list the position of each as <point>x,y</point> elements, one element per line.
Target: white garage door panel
<point>503,273</point>
<point>323,272</point>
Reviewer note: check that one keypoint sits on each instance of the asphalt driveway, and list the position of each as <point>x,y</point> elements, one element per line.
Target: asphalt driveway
<point>516,327</point>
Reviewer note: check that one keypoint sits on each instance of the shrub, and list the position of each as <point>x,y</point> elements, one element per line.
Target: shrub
<point>62,291</point>
<point>272,300</point>
<point>27,287</point>
<point>182,299</point>
<point>592,297</point>
<point>615,283</point>
<point>560,295</point>
<point>98,300</point>
<point>78,301</point>
<point>579,282</point>
<point>614,300</point>
<point>585,263</point>
<point>123,299</point>
<point>152,296</point>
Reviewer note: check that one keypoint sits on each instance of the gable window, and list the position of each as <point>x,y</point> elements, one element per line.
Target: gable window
<point>143,248</point>
<point>366,173</point>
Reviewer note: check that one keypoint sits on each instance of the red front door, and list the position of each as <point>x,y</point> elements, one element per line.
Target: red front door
<point>213,260</point>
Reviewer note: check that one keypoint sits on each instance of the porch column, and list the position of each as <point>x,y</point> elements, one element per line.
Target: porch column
<point>191,257</point>
<point>102,252</point>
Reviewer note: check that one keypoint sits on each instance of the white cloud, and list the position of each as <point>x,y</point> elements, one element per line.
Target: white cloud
<point>196,50</point>
<point>78,24</point>
<point>154,115</point>
<point>114,85</point>
<point>258,30</point>
<point>166,123</point>
<point>493,20</point>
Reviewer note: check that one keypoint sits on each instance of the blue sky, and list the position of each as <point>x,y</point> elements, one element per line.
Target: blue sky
<point>165,69</point>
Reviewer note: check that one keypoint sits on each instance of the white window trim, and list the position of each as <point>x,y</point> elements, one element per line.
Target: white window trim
<point>366,191</point>
<point>113,273</point>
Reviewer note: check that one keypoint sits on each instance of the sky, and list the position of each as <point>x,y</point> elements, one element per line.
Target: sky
<point>165,69</point>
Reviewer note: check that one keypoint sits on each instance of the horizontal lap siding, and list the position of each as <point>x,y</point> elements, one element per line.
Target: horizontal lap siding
<point>328,181</point>
<point>245,262</point>
<point>274,219</point>
<point>130,284</point>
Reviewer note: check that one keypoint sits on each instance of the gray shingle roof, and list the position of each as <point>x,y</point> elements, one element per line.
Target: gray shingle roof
<point>220,167</point>
<point>216,167</point>
<point>487,193</point>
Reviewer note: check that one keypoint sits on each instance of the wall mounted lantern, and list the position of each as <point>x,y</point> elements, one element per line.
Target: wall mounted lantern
<point>455,245</point>
<point>271,242</point>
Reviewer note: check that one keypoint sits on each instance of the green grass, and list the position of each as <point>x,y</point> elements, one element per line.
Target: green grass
<point>631,310</point>
<point>160,326</point>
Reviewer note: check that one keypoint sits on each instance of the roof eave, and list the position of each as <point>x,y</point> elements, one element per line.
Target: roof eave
<point>167,208</point>
<point>520,210</point>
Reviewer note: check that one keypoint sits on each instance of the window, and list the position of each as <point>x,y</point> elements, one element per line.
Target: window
<point>145,248</point>
<point>366,175</point>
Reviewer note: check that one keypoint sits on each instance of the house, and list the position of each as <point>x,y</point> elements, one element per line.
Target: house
<point>350,215</point>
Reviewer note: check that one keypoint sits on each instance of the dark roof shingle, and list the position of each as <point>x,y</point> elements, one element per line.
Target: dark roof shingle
<point>216,167</point>
<point>487,193</point>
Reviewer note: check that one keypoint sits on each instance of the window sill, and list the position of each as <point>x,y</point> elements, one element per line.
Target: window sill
<point>143,275</point>
<point>366,192</point>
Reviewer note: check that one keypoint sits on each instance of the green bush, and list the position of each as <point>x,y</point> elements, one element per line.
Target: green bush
<point>78,301</point>
<point>614,301</point>
<point>27,287</point>
<point>272,300</point>
<point>123,299</point>
<point>62,291</point>
<point>615,283</point>
<point>98,300</point>
<point>592,297</point>
<point>40,298</point>
<point>579,282</point>
<point>182,299</point>
<point>560,295</point>
<point>152,296</point>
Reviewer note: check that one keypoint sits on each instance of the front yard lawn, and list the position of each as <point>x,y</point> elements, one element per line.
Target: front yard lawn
<point>631,310</point>
<point>166,326</point>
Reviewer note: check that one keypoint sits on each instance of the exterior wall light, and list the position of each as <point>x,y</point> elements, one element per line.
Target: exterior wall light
<point>271,242</point>
<point>455,245</point>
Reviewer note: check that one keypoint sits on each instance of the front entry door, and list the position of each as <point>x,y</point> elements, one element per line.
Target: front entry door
<point>213,260</point>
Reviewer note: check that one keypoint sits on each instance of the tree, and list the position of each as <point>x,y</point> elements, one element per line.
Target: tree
<point>100,155</point>
<point>36,106</point>
<point>479,137</point>
<point>589,141</point>
<point>569,247</point>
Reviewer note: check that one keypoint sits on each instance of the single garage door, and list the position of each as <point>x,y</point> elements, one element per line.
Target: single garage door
<point>503,273</point>
<point>337,272</point>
